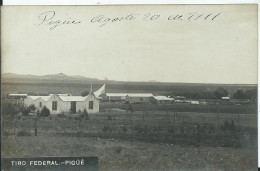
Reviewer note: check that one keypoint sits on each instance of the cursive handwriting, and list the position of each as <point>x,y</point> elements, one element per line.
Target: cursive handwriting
<point>102,20</point>
<point>48,18</point>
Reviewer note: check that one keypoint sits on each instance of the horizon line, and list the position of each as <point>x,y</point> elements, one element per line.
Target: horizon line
<point>149,81</point>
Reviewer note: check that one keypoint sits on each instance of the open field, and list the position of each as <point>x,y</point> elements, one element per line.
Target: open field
<point>142,140</point>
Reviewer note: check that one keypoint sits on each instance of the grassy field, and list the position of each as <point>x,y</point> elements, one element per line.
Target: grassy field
<point>123,155</point>
<point>142,140</point>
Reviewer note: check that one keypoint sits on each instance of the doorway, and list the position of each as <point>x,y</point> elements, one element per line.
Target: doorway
<point>73,107</point>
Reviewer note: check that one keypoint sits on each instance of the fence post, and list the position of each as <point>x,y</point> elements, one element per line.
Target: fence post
<point>238,119</point>
<point>198,133</point>
<point>35,127</point>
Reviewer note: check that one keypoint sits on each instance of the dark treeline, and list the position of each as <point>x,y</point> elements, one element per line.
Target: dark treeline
<point>217,94</point>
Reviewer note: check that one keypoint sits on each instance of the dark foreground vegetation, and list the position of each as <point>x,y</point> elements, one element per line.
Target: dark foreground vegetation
<point>138,137</point>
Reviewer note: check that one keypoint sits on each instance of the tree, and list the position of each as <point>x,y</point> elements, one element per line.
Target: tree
<point>240,95</point>
<point>32,108</point>
<point>220,92</point>
<point>85,93</point>
<point>25,111</point>
<point>9,113</point>
<point>45,111</point>
<point>251,94</point>
<point>9,109</point>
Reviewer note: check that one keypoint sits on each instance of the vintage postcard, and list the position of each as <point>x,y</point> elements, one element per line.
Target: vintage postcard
<point>129,87</point>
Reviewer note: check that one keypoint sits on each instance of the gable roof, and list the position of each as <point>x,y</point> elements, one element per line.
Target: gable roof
<point>63,97</point>
<point>73,98</point>
<point>130,94</point>
<point>45,98</point>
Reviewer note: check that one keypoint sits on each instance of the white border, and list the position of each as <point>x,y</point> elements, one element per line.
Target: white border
<point>124,2</point>
<point>118,2</point>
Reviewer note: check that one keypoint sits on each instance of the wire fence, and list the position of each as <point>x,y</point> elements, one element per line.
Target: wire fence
<point>214,129</point>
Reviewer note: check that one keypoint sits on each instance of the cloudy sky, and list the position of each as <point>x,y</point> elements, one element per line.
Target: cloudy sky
<point>166,49</point>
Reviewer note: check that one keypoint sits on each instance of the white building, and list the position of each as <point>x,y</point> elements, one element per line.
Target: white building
<point>163,100</point>
<point>130,97</point>
<point>64,103</point>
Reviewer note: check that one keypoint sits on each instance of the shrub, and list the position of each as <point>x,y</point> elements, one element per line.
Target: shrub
<point>25,111</point>
<point>45,111</point>
<point>85,113</point>
<point>9,109</point>
<point>38,113</point>
<point>61,115</point>
<point>31,108</point>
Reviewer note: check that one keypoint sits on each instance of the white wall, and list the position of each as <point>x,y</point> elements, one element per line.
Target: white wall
<point>64,106</point>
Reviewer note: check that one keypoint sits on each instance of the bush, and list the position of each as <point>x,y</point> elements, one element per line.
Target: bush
<point>31,108</point>
<point>45,112</point>
<point>9,109</point>
<point>25,111</point>
<point>85,113</point>
<point>61,115</point>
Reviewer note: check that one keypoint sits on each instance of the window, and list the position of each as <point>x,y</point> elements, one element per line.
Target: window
<point>91,104</point>
<point>54,105</point>
<point>40,104</point>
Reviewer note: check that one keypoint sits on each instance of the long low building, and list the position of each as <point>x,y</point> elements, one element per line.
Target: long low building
<point>64,103</point>
<point>164,100</point>
<point>130,97</point>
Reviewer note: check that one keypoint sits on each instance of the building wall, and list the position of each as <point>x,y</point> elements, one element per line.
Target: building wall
<point>61,106</point>
<point>115,98</point>
<point>37,103</point>
<point>138,99</point>
<point>95,104</point>
<point>28,101</point>
<point>64,106</point>
<point>164,101</point>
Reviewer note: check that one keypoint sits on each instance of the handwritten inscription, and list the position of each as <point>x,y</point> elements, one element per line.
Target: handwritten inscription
<point>48,18</point>
<point>102,20</point>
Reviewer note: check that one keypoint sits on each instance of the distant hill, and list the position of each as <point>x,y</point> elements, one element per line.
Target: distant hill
<point>78,79</point>
<point>76,84</point>
<point>52,78</point>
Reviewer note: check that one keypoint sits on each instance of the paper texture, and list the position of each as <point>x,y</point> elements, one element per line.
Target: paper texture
<point>186,74</point>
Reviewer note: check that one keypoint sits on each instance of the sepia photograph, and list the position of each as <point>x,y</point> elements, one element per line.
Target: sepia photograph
<point>129,87</point>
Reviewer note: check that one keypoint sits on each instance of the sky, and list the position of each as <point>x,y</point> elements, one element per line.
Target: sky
<point>222,50</point>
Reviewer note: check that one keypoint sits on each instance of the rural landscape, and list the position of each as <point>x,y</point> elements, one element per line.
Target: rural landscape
<point>195,127</point>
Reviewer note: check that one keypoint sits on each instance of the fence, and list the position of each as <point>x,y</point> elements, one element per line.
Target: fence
<point>213,129</point>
